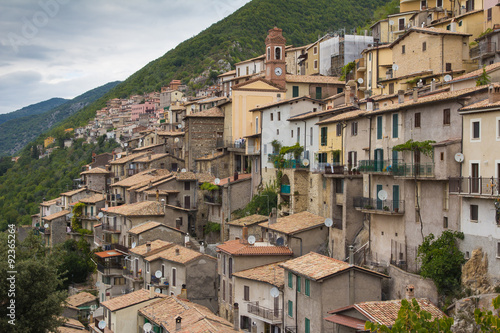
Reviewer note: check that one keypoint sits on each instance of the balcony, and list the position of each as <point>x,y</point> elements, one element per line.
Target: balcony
<point>386,207</point>
<point>159,282</point>
<point>274,315</point>
<point>131,274</point>
<point>423,170</point>
<point>131,172</point>
<point>475,186</point>
<point>110,268</point>
<point>214,199</point>
<point>375,166</point>
<point>329,168</point>
<point>111,228</point>
<point>484,49</point>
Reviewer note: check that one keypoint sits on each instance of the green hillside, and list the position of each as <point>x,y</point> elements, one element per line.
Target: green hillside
<point>33,109</point>
<point>17,133</point>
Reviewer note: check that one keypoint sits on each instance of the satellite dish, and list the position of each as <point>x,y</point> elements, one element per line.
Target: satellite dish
<point>382,195</point>
<point>274,292</point>
<point>251,239</point>
<point>46,225</point>
<point>98,284</point>
<point>305,162</point>
<point>119,156</point>
<point>395,67</point>
<point>280,241</point>
<point>459,157</point>
<point>158,274</point>
<point>125,144</point>
<point>391,22</point>
<point>100,214</point>
<point>102,324</point>
<point>134,244</point>
<point>176,140</point>
<point>216,181</point>
<point>147,327</point>
<point>447,78</point>
<point>183,170</point>
<point>158,290</point>
<point>328,222</point>
<point>360,80</point>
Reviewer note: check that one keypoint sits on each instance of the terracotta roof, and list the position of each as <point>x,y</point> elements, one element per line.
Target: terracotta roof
<point>272,274</point>
<point>146,158</point>
<point>212,112</point>
<point>261,57</point>
<point>143,208</point>
<point>80,298</point>
<point>233,72</point>
<point>170,133</point>
<point>484,104</point>
<point>109,254</point>
<point>258,78</point>
<point>185,175</point>
<point>93,199</point>
<point>160,192</point>
<point>149,183</point>
<point>286,101</point>
<point>294,223</point>
<point>144,227</point>
<point>237,248</point>
<point>184,255</point>
<point>210,156</point>
<point>127,300</point>
<point>146,148</point>
<point>94,171</point>
<point>475,74</point>
<point>70,325</point>
<point>317,267</point>
<point>51,202</point>
<point>313,79</point>
<point>205,177</point>
<point>70,193</point>
<point>348,321</point>
<point>224,181</point>
<point>195,318</point>
<point>155,245</point>
<point>56,215</point>
<point>386,312</point>
<point>147,175</point>
<point>126,159</point>
<point>338,109</point>
<point>343,116</point>
<point>248,220</point>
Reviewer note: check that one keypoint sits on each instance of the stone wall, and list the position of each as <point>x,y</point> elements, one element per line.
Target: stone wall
<point>424,288</point>
<point>201,136</point>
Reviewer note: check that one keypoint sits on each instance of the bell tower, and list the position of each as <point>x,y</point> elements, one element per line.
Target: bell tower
<point>275,57</point>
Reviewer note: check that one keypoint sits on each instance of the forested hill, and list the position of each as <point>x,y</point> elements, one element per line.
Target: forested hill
<point>17,133</point>
<point>33,109</point>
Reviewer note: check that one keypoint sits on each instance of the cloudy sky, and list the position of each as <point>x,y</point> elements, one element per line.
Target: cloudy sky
<point>63,48</point>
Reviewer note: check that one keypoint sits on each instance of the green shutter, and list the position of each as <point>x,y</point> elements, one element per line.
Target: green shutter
<point>324,136</point>
<point>379,202</point>
<point>295,91</point>
<point>395,133</point>
<point>395,196</point>
<point>290,280</point>
<point>308,325</point>
<point>307,287</point>
<point>379,127</point>
<point>394,160</point>
<point>298,283</point>
<point>318,93</point>
<point>290,309</point>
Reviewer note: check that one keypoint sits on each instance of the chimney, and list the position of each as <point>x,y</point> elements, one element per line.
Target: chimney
<point>453,26</point>
<point>202,247</point>
<point>183,293</point>
<point>273,216</point>
<point>433,84</point>
<point>493,93</point>
<point>178,320</point>
<point>351,255</point>
<point>415,94</point>
<point>369,104</point>
<point>410,291</point>
<point>151,292</point>
<point>177,252</point>
<point>186,240</point>
<point>244,235</point>
<point>236,310</point>
<point>148,247</point>
<point>401,96</point>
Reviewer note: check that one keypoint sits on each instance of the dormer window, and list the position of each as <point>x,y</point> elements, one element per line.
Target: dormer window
<point>277,53</point>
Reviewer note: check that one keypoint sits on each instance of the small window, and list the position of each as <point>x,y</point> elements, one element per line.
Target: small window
<point>445,222</point>
<point>354,128</point>
<point>307,324</point>
<point>147,266</point>
<point>277,53</point>
<point>441,156</point>
<point>339,129</point>
<point>295,91</point>
<point>446,116</point>
<point>489,14</point>
<point>315,64</point>
<point>174,277</point>
<point>279,116</point>
<point>460,23</point>
<point>448,66</point>
<point>379,127</point>
<point>224,290</point>
<point>476,129</point>
<point>277,131</point>
<point>315,50</point>
<point>187,186</point>
<point>498,249</point>
<point>298,284</point>
<point>324,136</point>
<point>291,133</point>
<point>290,309</point>
<point>424,46</point>
<point>474,213</point>
<point>417,120</point>
<point>395,123</point>
<point>271,116</point>
<point>246,293</point>
<point>119,281</point>
<point>307,287</point>
<point>230,267</point>
<point>403,49</point>
<point>290,280</point>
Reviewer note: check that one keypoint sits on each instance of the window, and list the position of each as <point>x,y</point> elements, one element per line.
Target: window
<point>298,134</point>
<point>322,157</point>
<point>224,264</point>
<point>256,125</point>
<point>307,325</point>
<point>224,290</point>
<point>238,71</point>
<point>119,281</point>
<point>324,135</point>
<point>354,128</point>
<point>290,309</point>
<point>318,93</point>
<point>424,46</point>
<point>311,136</point>
<point>339,129</point>
<point>230,293</point>
<point>498,249</point>
<point>295,91</point>
<point>246,293</point>
<point>401,24</point>
<point>474,212</point>
<point>230,267</point>
<point>174,277</point>
<point>315,50</point>
<point>277,53</point>
<point>489,14</point>
<point>446,116</point>
<point>352,159</point>
<point>290,280</point>
<point>147,266</point>
<point>475,129</point>
<point>391,88</point>
<point>403,49</point>
<point>379,127</point>
<point>339,185</point>
<point>448,66</point>
<point>291,133</point>
<point>395,119</point>
<point>446,197</point>
<point>395,197</point>
<point>187,186</point>
<point>279,116</point>
<point>417,120</point>
<point>498,131</point>
<point>315,64</point>
<point>298,284</point>
<point>445,222</point>
<point>439,3</point>
<point>307,287</point>
<point>268,53</point>
<point>271,116</point>
<point>460,23</point>
<point>277,131</point>
<point>247,70</point>
<point>423,4</point>
<point>106,279</point>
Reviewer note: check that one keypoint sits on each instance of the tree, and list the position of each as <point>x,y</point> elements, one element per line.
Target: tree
<point>411,318</point>
<point>346,70</point>
<point>75,261</point>
<point>483,79</point>
<point>487,321</point>
<point>38,302</point>
<point>442,260</point>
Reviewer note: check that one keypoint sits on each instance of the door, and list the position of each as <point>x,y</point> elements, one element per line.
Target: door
<point>395,197</point>
<point>187,202</point>
<point>379,160</point>
<point>395,161</point>
<point>474,173</point>
<point>416,162</point>
<point>379,202</point>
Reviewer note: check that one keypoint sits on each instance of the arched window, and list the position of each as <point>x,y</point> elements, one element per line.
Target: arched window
<point>268,53</point>
<point>277,52</point>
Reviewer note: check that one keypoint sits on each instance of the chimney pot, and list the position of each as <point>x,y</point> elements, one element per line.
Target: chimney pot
<point>415,94</point>
<point>148,247</point>
<point>236,310</point>
<point>493,93</point>
<point>410,291</point>
<point>401,96</point>
<point>244,235</point>
<point>351,255</point>
<point>151,292</point>
<point>178,321</point>
<point>177,252</point>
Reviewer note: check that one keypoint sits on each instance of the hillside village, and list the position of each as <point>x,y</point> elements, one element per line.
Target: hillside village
<point>364,169</point>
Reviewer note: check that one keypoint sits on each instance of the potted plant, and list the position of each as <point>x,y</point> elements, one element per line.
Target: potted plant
<point>386,208</point>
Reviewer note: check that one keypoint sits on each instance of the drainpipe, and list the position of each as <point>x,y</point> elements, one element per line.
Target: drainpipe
<point>442,54</point>
<point>369,187</point>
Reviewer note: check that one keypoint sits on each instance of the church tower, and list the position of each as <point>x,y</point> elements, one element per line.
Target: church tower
<point>275,57</point>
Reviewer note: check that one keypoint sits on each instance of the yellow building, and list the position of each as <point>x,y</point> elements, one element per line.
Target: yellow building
<point>469,23</point>
<point>376,63</point>
<point>48,141</point>
<point>312,59</point>
<point>330,142</point>
<point>409,5</point>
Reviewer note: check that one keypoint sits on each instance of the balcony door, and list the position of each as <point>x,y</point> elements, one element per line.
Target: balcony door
<point>379,202</point>
<point>379,160</point>
<point>474,173</point>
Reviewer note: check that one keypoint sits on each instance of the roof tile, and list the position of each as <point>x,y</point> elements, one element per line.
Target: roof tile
<point>127,300</point>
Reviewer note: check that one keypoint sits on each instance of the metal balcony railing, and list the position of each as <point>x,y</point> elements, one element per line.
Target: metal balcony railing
<point>261,311</point>
<point>375,165</point>
<point>111,227</point>
<point>214,199</point>
<point>412,170</point>
<point>329,168</point>
<point>475,185</point>
<point>390,206</point>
